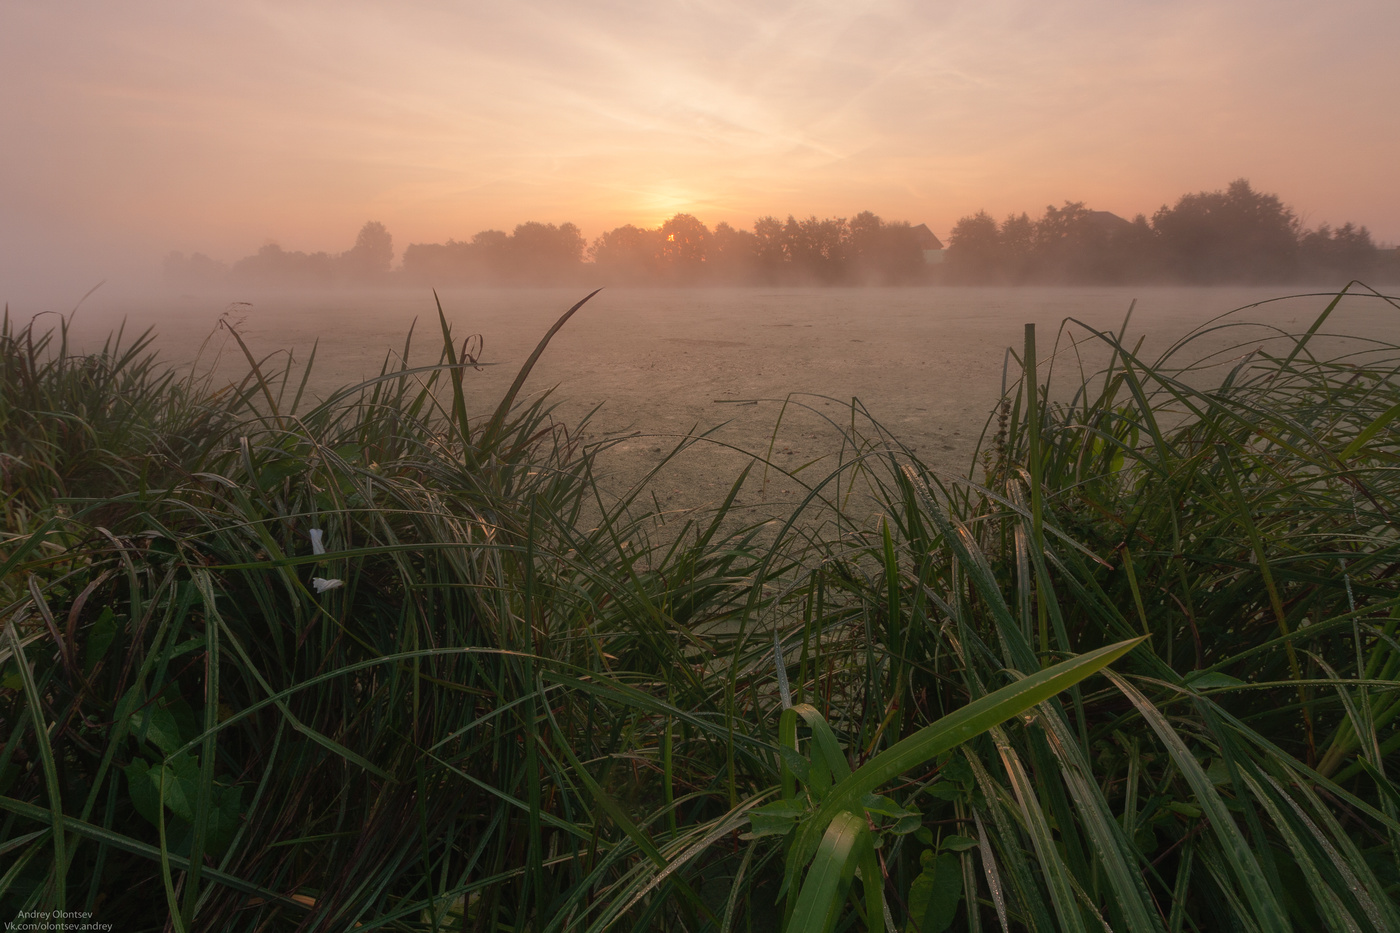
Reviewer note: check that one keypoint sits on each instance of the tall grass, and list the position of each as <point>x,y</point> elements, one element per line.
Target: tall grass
<point>527,707</point>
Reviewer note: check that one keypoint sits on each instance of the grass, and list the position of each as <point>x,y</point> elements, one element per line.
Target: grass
<point>526,707</point>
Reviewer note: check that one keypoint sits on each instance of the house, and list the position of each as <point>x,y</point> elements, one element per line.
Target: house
<point>930,244</point>
<point>1108,222</point>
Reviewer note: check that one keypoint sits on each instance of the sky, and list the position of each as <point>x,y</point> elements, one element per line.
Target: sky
<point>131,129</point>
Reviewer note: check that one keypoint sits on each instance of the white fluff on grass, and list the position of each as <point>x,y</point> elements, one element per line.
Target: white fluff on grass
<point>318,546</point>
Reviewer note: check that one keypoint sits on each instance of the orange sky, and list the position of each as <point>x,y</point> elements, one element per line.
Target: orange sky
<point>138,127</point>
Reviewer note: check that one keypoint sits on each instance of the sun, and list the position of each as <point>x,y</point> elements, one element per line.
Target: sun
<point>658,205</point>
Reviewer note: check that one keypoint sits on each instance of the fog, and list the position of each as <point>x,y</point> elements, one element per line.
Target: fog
<point>660,363</point>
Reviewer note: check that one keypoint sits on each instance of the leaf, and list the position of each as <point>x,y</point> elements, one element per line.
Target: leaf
<point>157,726</point>
<point>1215,680</point>
<point>885,806</point>
<point>775,819</point>
<point>99,639</point>
<point>956,769</point>
<point>825,747</point>
<point>180,774</point>
<point>957,843</point>
<point>796,764</point>
<point>947,790</point>
<point>224,817</point>
<point>935,894</point>
<point>272,474</point>
<point>181,777</point>
<point>145,797</point>
<point>833,867</point>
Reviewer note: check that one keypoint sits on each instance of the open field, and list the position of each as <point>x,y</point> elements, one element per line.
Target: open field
<point>928,363</point>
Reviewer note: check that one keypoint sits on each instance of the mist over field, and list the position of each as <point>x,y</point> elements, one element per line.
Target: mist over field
<point>650,365</point>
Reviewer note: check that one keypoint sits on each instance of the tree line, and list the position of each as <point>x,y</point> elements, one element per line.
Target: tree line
<point>369,261</point>
<point>1237,235</point>
<point>1231,236</point>
<point>681,251</point>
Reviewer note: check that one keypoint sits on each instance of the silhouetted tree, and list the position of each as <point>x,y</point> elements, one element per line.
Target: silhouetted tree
<point>1017,247</point>
<point>1233,235</point>
<point>974,250</point>
<point>371,256</point>
<point>193,270</point>
<point>684,243</point>
<point>864,230</point>
<point>1330,256</point>
<point>883,254</point>
<point>816,249</point>
<point>1068,244</point>
<point>1136,255</point>
<point>770,248</point>
<point>273,266</point>
<point>543,253</point>
<point>480,261</point>
<point>628,254</point>
<point>733,255</point>
<point>487,260</point>
<point>436,263</point>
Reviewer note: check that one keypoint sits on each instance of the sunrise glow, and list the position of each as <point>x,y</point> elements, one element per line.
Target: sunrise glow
<point>153,126</point>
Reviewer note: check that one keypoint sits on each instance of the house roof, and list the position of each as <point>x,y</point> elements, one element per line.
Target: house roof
<point>1108,222</point>
<point>926,238</point>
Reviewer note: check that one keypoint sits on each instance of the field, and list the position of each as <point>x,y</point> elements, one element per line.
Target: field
<point>278,656</point>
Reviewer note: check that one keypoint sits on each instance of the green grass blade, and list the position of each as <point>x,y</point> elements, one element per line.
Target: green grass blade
<point>498,419</point>
<point>953,730</point>
<point>1268,912</point>
<point>819,905</point>
<point>59,876</point>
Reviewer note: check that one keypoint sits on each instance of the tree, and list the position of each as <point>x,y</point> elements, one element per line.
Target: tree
<point>487,259</point>
<point>372,254</point>
<point>1065,243</point>
<point>1017,242</point>
<point>770,247</point>
<point>733,255</point>
<point>273,266</point>
<point>539,252</point>
<point>974,250</point>
<point>881,253</point>
<point>1136,253</point>
<point>197,269</point>
<point>1330,256</point>
<point>684,245</point>
<point>817,248</point>
<point>628,254</point>
<point>1237,234</point>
